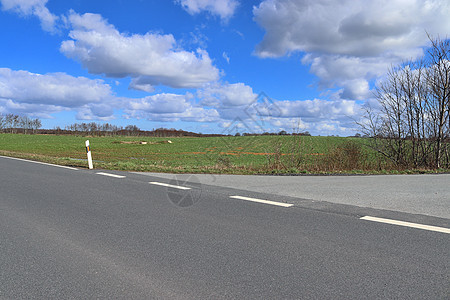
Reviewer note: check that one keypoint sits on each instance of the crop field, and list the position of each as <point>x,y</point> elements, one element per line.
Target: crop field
<point>232,155</point>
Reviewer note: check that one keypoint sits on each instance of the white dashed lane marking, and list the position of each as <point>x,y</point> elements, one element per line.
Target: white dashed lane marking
<point>406,224</point>
<point>262,201</point>
<point>111,175</point>
<point>170,185</point>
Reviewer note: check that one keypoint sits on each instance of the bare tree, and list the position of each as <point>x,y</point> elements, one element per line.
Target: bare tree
<point>36,124</point>
<point>438,81</point>
<point>25,123</point>
<point>132,129</point>
<point>412,124</point>
<point>2,121</point>
<point>13,123</point>
<point>9,119</point>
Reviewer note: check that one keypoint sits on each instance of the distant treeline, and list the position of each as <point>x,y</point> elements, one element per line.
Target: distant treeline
<point>11,123</point>
<point>282,132</point>
<point>19,124</point>
<point>106,129</point>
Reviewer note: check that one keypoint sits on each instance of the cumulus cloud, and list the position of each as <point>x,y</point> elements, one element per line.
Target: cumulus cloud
<point>300,115</point>
<point>311,109</point>
<point>239,108</point>
<point>37,110</point>
<point>141,84</point>
<point>290,124</point>
<point>169,108</point>
<point>223,103</point>
<point>226,95</point>
<point>161,104</point>
<point>322,127</point>
<point>350,42</point>
<point>150,59</point>
<point>101,111</point>
<point>200,114</point>
<point>349,27</point>
<point>351,73</point>
<point>43,95</point>
<point>28,92</point>
<point>32,8</point>
<point>222,8</point>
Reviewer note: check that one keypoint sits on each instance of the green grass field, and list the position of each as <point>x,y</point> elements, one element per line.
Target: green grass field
<point>232,155</point>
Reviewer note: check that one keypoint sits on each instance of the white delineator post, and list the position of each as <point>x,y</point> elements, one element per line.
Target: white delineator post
<point>89,155</point>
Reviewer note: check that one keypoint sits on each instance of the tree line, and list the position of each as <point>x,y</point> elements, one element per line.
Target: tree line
<point>98,128</point>
<point>410,123</point>
<point>14,123</point>
<point>106,129</point>
<point>22,124</point>
<point>282,132</point>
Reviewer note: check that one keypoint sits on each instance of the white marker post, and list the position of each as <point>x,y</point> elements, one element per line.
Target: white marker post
<point>89,155</point>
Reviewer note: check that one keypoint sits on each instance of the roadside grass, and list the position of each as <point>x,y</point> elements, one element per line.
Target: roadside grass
<point>227,155</point>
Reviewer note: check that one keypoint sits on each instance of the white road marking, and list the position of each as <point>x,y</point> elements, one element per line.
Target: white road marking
<point>111,175</point>
<point>407,224</point>
<point>41,163</point>
<point>262,201</point>
<point>169,185</point>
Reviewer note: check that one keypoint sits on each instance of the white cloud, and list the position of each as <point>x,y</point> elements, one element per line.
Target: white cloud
<point>200,114</point>
<point>350,42</point>
<point>151,59</point>
<point>102,111</point>
<point>169,108</point>
<point>161,104</point>
<point>33,7</point>
<point>236,104</point>
<point>349,27</point>
<point>294,125</point>
<point>326,127</point>
<point>226,57</point>
<point>140,84</point>
<point>43,95</point>
<point>301,115</point>
<point>222,8</point>
<point>32,109</point>
<point>226,95</point>
<point>311,110</point>
<point>351,73</point>
<point>29,92</point>
<point>322,127</point>
<point>238,107</point>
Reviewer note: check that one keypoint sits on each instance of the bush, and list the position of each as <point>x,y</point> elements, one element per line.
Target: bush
<point>347,156</point>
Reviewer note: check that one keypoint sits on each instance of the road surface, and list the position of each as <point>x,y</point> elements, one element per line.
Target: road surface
<point>72,233</point>
<point>414,194</point>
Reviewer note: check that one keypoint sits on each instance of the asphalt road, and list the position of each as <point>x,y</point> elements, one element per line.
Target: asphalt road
<point>76,234</point>
<point>427,194</point>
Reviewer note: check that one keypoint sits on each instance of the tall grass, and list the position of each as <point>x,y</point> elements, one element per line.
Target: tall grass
<point>233,155</point>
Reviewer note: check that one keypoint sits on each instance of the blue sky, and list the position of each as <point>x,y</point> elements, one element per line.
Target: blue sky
<point>210,66</point>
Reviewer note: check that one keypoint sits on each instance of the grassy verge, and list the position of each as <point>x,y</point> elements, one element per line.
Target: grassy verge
<point>229,155</point>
